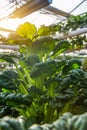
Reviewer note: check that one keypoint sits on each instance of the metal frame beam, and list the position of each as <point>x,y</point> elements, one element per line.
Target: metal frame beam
<point>57,11</point>
<point>30,7</point>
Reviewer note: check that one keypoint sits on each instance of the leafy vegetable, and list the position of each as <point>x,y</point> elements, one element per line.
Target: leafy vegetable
<point>42,86</point>
<point>8,79</point>
<point>66,122</point>
<point>61,47</point>
<point>27,30</point>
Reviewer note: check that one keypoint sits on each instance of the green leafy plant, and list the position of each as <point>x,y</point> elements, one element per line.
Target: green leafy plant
<point>41,86</point>
<point>66,122</point>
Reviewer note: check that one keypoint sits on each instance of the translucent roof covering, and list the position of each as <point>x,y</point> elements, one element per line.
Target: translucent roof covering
<point>74,7</point>
<point>43,13</point>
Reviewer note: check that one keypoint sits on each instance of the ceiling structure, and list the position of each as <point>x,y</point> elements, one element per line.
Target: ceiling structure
<point>37,11</point>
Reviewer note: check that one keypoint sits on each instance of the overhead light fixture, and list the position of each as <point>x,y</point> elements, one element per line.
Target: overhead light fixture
<point>57,11</point>
<point>30,7</point>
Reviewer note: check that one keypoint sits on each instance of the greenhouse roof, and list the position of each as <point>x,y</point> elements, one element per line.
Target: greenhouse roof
<point>38,12</point>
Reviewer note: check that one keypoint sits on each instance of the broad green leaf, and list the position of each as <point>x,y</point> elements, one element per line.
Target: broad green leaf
<point>44,31</point>
<point>9,123</point>
<point>30,60</point>
<point>46,69</point>
<point>14,99</point>
<point>27,30</point>
<point>72,64</point>
<point>43,45</point>
<point>34,91</point>
<point>61,47</point>
<point>8,79</point>
<point>8,58</point>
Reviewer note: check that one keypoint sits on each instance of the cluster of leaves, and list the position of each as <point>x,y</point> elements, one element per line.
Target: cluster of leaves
<point>41,86</point>
<point>73,23</point>
<point>66,122</point>
<point>27,33</point>
<point>44,90</point>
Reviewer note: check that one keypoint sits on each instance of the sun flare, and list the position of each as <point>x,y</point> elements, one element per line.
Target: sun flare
<point>11,24</point>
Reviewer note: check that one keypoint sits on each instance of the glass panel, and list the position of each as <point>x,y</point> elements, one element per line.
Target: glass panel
<point>69,5</point>
<point>42,16</point>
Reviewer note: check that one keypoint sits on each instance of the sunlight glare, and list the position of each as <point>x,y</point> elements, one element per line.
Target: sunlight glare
<point>10,23</point>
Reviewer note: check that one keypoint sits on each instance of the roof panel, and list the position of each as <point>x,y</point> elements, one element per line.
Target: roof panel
<point>43,16</point>
<point>69,5</point>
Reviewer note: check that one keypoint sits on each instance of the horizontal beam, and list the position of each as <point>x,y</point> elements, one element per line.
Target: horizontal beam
<point>30,7</point>
<point>56,11</point>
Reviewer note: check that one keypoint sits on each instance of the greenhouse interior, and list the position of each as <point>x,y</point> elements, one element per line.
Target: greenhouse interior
<point>43,65</point>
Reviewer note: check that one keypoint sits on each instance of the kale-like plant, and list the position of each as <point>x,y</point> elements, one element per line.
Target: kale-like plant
<point>41,86</point>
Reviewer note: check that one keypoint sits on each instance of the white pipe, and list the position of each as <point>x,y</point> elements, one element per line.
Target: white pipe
<point>71,34</point>
<point>61,36</point>
<point>12,47</point>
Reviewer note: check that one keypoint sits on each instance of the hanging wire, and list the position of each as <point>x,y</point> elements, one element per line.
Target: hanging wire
<point>77,7</point>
